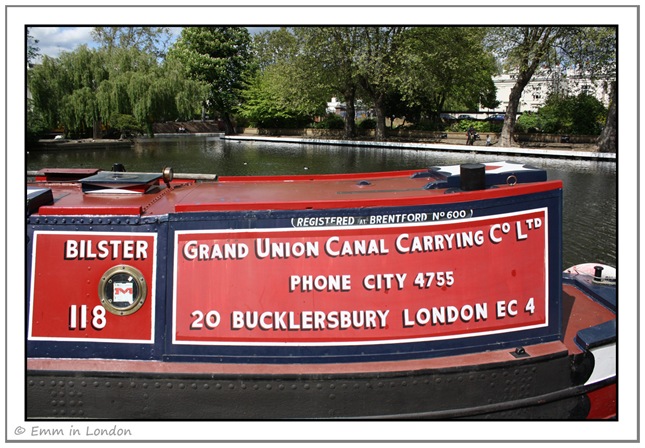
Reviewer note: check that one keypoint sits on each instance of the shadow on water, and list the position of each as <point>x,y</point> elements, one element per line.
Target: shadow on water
<point>590,188</point>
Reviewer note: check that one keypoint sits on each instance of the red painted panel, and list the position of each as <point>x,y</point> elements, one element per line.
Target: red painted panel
<point>362,284</point>
<point>603,403</point>
<point>66,272</point>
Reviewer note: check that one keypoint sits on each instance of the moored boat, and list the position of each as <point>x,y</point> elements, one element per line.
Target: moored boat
<point>424,294</point>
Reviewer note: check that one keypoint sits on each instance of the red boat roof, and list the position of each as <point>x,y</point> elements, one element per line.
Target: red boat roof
<point>401,188</point>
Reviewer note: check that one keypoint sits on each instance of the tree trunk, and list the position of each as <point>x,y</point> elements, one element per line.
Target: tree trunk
<point>350,117</point>
<point>508,129</point>
<point>608,139</point>
<point>96,130</point>
<point>149,129</point>
<point>380,119</point>
<point>228,125</point>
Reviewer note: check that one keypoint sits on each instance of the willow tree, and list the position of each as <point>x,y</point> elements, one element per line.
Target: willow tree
<point>86,87</point>
<point>64,89</point>
<point>220,57</point>
<point>148,91</point>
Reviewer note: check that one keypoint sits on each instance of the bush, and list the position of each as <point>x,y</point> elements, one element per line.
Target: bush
<point>582,114</point>
<point>331,121</point>
<point>368,123</point>
<point>291,122</point>
<point>528,123</point>
<point>479,126</point>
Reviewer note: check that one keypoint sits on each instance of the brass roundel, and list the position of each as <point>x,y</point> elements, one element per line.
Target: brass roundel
<point>122,290</point>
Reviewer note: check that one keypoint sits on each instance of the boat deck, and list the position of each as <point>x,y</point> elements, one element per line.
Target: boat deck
<point>407,188</point>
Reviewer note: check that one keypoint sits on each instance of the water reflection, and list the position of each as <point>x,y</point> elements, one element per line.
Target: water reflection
<point>590,188</point>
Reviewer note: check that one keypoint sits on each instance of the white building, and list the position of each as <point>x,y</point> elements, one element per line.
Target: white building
<point>538,89</point>
<point>338,108</point>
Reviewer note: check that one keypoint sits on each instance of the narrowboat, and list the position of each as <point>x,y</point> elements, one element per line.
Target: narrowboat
<point>436,293</point>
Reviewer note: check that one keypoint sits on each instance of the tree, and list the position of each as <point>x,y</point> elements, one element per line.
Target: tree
<point>137,85</point>
<point>63,89</point>
<point>83,88</point>
<point>220,57</point>
<point>36,124</point>
<point>524,50</point>
<point>266,103</point>
<point>608,139</point>
<point>377,64</point>
<point>446,66</point>
<point>32,49</point>
<point>582,114</point>
<point>331,55</point>
<point>593,52</point>
<point>148,39</point>
<point>285,88</point>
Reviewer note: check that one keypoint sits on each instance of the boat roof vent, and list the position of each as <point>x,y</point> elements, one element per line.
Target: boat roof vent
<point>112,182</point>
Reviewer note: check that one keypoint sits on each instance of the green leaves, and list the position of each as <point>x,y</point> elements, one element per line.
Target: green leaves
<point>219,57</point>
<point>446,68</point>
<point>87,86</point>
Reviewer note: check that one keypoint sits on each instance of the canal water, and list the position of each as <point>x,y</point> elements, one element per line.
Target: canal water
<point>590,188</point>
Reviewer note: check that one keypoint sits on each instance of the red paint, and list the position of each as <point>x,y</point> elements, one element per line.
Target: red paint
<point>301,298</point>
<point>65,285</point>
<point>603,403</point>
<point>396,189</point>
<point>80,210</point>
<point>327,195</point>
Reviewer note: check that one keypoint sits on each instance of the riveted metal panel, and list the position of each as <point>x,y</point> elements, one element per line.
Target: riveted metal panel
<point>499,391</point>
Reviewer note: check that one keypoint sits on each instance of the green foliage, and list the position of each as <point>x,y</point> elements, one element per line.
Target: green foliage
<point>264,104</point>
<point>85,87</point>
<point>148,39</point>
<point>36,124</point>
<point>479,126</point>
<point>32,49</point>
<point>284,89</point>
<point>219,57</point>
<point>446,67</point>
<point>368,123</point>
<point>582,114</point>
<point>331,121</point>
<point>528,123</point>
<point>525,50</point>
<point>126,123</point>
<point>284,78</point>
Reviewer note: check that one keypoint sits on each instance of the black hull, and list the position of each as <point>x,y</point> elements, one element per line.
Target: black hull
<point>529,389</point>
